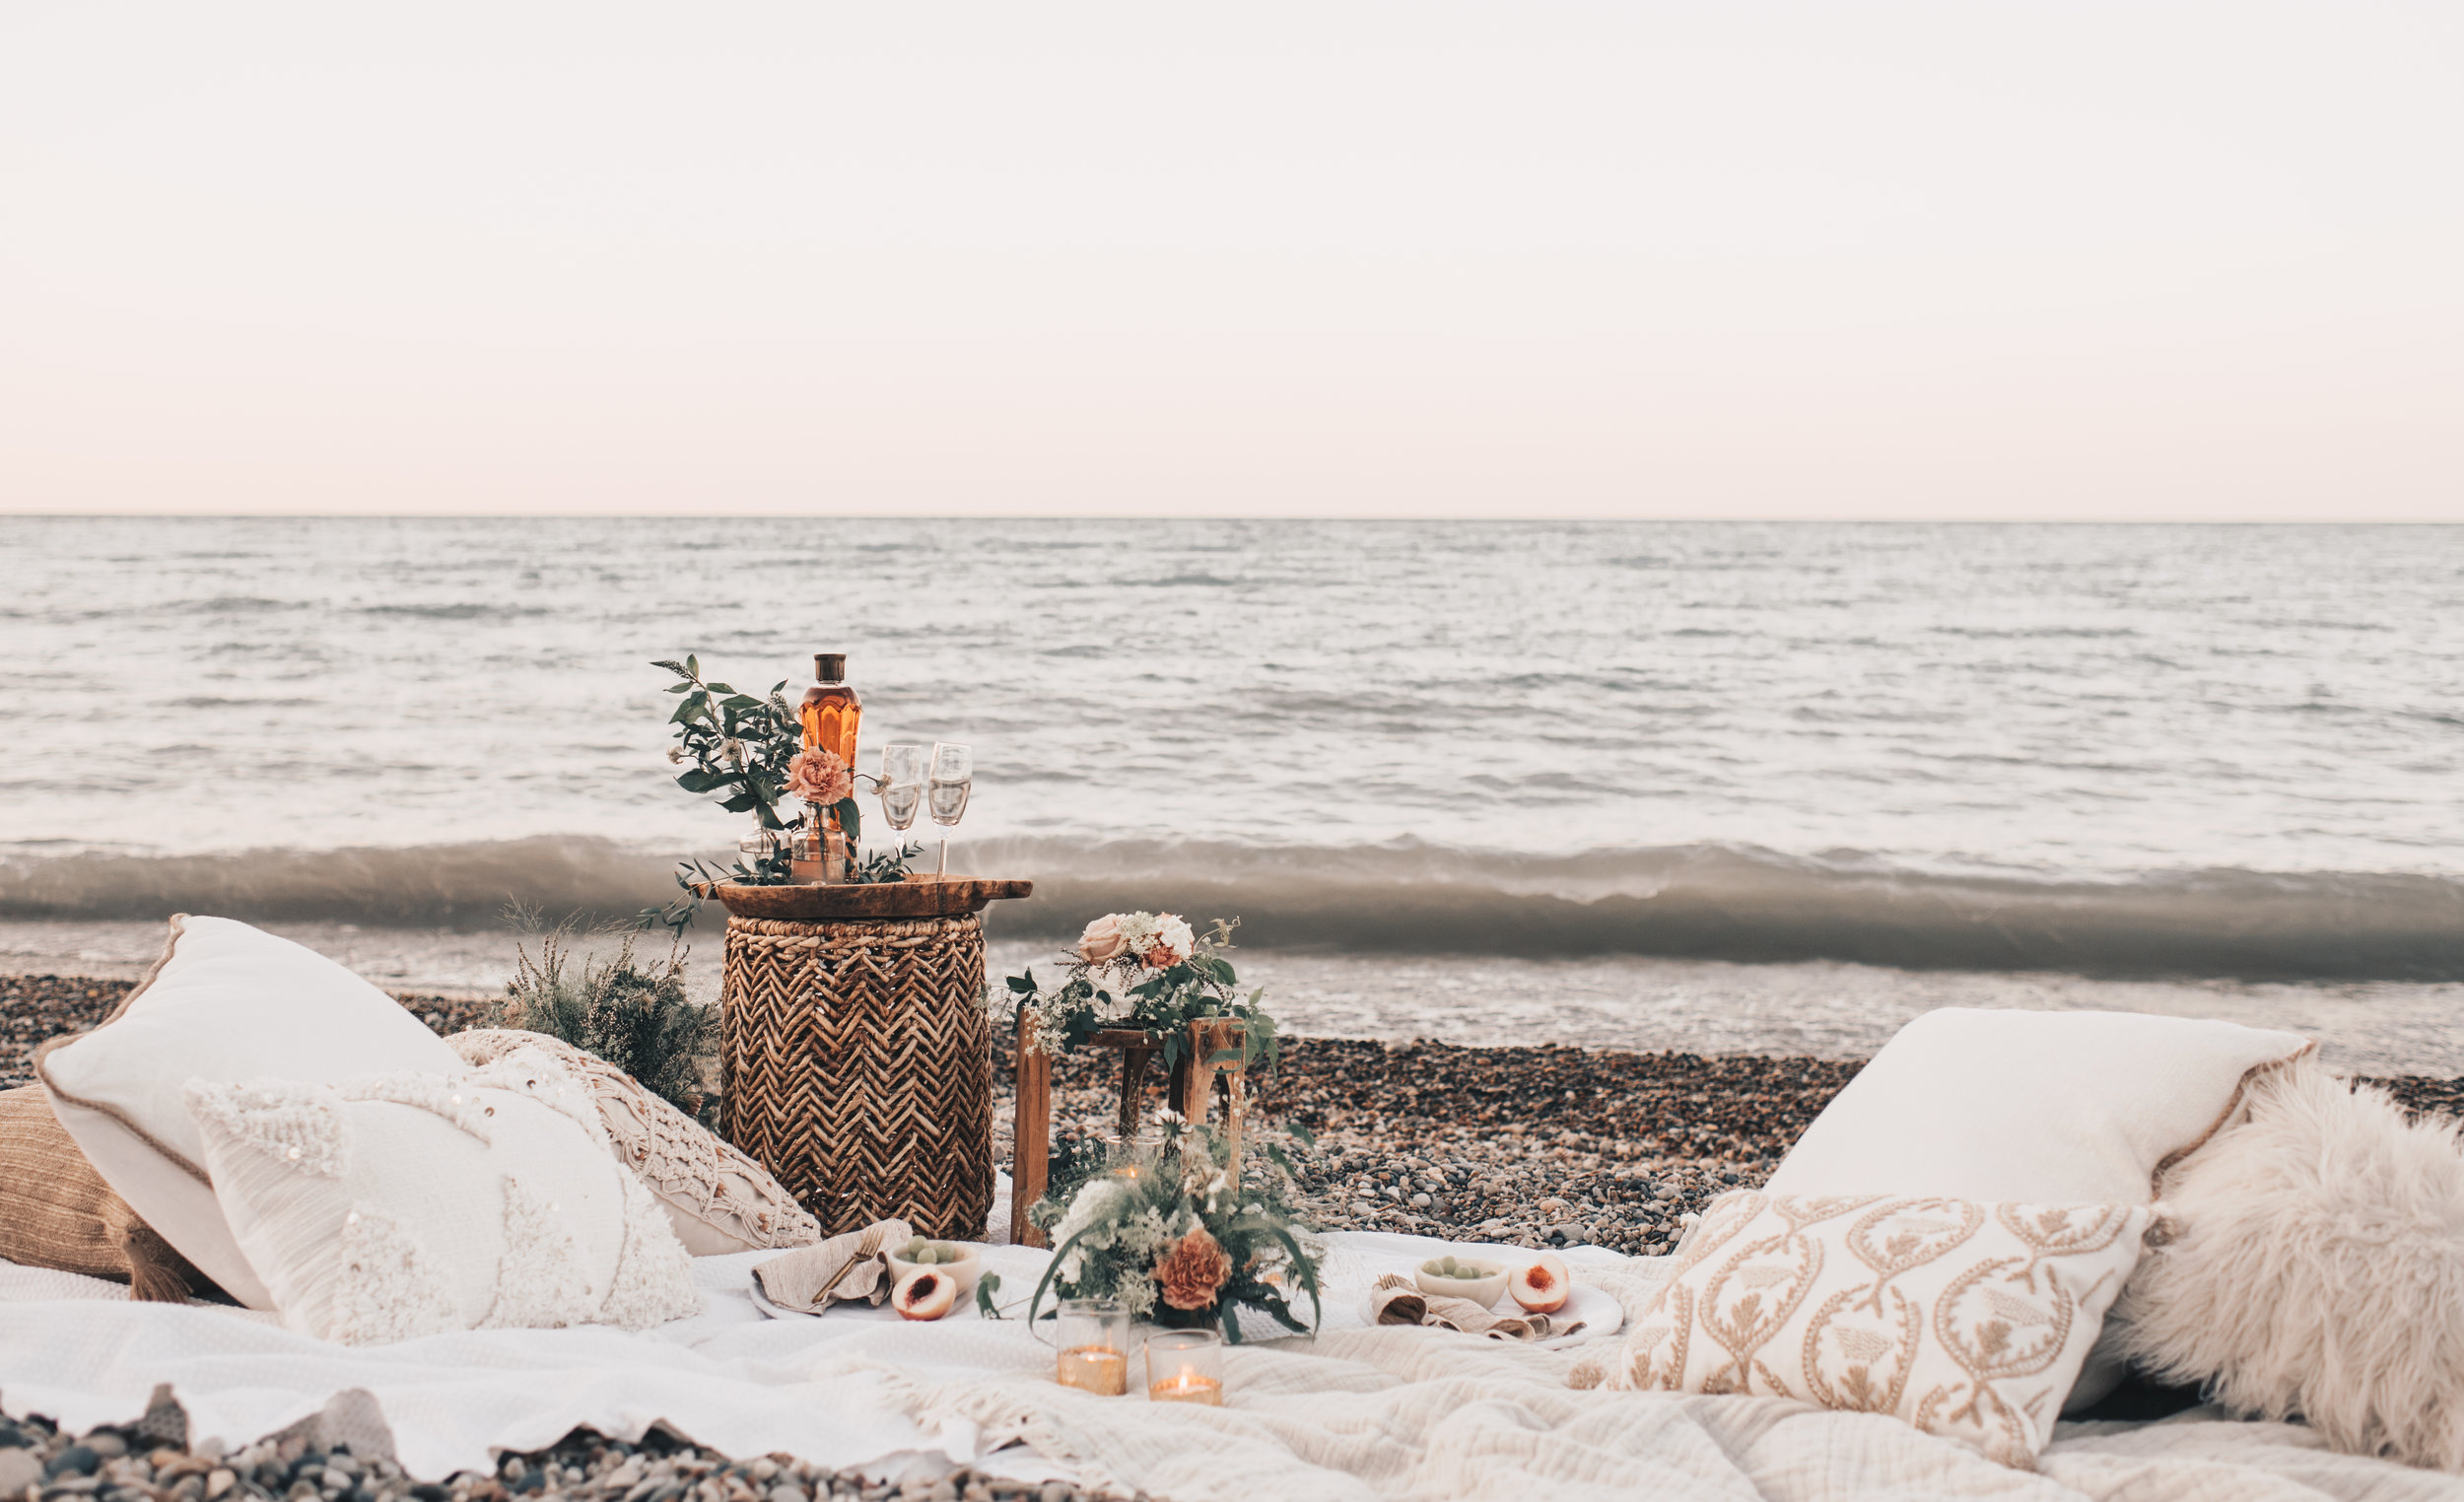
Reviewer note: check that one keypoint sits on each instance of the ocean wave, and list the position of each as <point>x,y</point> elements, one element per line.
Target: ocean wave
<point>1699,900</point>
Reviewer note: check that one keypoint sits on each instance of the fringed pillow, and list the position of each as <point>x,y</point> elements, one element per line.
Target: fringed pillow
<point>1966,1320</point>
<point>412,1205</point>
<point>2316,1271</point>
<point>718,1200</point>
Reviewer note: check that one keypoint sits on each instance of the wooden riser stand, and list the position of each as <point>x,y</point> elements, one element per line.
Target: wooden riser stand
<point>1191,1093</point>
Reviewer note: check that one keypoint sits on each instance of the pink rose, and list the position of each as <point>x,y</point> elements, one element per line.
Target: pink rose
<point>819,778</point>
<point>1103,940</point>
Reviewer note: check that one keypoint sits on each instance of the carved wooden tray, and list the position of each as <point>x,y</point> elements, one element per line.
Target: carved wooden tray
<point>914,897</point>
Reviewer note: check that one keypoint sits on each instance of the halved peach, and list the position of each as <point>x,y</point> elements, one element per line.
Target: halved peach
<point>1542,1287</point>
<point>928,1293</point>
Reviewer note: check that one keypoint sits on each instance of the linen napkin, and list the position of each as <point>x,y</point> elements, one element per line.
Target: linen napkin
<point>845,1267</point>
<point>1399,1300</point>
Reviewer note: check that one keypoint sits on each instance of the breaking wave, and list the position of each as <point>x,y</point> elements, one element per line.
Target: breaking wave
<point>1698,901</point>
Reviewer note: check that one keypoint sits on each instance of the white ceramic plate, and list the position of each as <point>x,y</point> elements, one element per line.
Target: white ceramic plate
<point>1600,1312</point>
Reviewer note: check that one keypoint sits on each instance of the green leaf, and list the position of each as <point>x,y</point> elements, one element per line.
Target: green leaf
<point>700,782</point>
<point>677,688</point>
<point>1023,984</point>
<point>685,714</point>
<point>742,802</point>
<point>851,819</point>
<point>692,666</point>
<point>989,1285</point>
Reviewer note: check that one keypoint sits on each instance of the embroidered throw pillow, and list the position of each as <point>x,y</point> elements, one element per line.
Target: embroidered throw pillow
<point>2044,1107</point>
<point>225,1002</point>
<point>410,1204</point>
<point>1967,1319</point>
<point>717,1200</point>
<point>2315,1267</point>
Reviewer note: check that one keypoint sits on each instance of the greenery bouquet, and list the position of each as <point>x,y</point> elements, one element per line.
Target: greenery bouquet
<point>1186,1239</point>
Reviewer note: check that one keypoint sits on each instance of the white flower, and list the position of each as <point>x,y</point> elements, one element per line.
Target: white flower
<point>1092,1204</point>
<point>1137,930</point>
<point>676,756</point>
<point>1170,942</point>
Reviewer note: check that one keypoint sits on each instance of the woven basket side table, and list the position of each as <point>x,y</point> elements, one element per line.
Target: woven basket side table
<point>856,1060</point>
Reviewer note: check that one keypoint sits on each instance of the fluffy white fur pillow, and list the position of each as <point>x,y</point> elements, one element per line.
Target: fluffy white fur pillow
<point>2319,1271</point>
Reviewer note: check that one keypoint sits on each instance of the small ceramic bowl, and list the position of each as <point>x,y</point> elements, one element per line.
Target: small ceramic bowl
<point>1484,1291</point>
<point>968,1268</point>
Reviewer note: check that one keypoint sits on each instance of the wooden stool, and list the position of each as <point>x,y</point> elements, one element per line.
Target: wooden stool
<point>855,1053</point>
<point>1190,1093</point>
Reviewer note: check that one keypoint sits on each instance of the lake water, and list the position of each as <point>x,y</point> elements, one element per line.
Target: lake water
<point>1512,779</point>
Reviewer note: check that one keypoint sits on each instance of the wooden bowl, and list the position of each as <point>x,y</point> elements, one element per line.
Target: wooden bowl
<point>914,897</point>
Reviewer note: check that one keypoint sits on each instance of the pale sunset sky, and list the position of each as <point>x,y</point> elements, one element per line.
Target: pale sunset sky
<point>1979,260</point>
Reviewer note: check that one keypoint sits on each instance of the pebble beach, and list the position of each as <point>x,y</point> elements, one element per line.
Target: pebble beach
<point>1529,1146</point>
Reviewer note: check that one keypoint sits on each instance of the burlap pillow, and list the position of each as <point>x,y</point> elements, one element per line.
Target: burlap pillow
<point>56,1213</point>
<point>718,1200</point>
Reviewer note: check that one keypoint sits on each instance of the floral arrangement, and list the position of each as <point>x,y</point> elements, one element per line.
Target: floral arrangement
<point>1151,973</point>
<point>747,750</point>
<point>1183,1240</point>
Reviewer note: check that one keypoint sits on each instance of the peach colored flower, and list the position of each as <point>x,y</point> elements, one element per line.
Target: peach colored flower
<point>818,776</point>
<point>1103,940</point>
<point>1171,943</point>
<point>1193,1272</point>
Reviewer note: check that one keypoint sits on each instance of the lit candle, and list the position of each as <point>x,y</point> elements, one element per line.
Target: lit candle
<point>1097,1369</point>
<point>1188,1385</point>
<point>1184,1366</point>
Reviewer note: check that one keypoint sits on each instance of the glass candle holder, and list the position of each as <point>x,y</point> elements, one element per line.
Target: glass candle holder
<point>1184,1366</point>
<point>1133,1156</point>
<point>1092,1346</point>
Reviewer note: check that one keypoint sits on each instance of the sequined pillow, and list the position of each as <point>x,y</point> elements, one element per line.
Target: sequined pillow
<point>409,1204</point>
<point>1967,1319</point>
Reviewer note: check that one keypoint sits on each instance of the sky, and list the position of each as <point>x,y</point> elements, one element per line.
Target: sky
<point>1978,260</point>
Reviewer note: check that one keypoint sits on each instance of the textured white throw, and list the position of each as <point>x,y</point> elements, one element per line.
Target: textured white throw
<point>1372,1414</point>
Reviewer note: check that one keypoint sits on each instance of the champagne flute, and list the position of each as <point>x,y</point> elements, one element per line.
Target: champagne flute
<point>902,783</point>
<point>953,778</point>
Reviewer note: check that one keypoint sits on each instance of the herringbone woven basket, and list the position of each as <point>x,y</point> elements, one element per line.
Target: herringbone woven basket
<point>858,1068</point>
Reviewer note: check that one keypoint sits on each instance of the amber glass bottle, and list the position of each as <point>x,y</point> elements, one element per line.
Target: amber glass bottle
<point>831,708</point>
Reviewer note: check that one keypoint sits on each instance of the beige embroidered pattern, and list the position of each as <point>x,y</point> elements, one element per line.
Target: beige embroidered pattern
<point>1967,1319</point>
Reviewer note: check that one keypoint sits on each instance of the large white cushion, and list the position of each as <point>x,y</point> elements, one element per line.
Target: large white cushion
<point>1968,1320</point>
<point>226,1002</point>
<point>2049,1108</point>
<point>412,1205</point>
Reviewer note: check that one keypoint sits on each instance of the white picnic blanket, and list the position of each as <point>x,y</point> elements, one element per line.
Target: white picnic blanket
<point>1356,1414</point>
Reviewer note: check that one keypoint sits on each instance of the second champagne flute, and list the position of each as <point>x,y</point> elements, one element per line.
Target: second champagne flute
<point>945,796</point>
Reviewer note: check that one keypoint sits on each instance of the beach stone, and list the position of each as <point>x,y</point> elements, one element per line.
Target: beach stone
<point>219,1480</point>
<point>788,1491</point>
<point>76,1459</point>
<point>19,1469</point>
<point>1055,1491</point>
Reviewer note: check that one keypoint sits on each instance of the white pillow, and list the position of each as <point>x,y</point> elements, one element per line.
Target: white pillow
<point>411,1205</point>
<point>226,1002</point>
<point>2317,1270</point>
<point>2050,1108</point>
<point>1968,1320</point>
